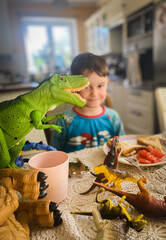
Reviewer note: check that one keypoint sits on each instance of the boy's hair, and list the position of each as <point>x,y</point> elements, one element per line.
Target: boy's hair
<point>90,63</point>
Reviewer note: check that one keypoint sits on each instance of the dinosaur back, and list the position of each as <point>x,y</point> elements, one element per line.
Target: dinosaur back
<point>15,120</point>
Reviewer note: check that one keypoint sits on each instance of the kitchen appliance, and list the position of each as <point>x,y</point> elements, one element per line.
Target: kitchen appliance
<point>146,38</point>
<point>140,24</point>
<point>140,69</point>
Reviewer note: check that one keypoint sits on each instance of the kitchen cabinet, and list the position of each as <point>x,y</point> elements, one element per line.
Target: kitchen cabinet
<point>5,39</point>
<point>140,112</point>
<point>135,107</point>
<point>115,12</point>
<point>97,33</point>
<point>131,6</point>
<point>101,36</point>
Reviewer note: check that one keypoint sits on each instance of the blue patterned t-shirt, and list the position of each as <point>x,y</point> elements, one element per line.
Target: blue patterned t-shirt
<point>79,131</point>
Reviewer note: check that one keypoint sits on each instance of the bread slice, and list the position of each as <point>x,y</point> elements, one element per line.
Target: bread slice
<point>128,149</point>
<point>153,141</point>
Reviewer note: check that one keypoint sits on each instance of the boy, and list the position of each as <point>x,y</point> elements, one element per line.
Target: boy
<point>93,124</point>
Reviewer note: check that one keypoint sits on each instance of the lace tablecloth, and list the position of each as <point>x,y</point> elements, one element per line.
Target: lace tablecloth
<point>78,227</point>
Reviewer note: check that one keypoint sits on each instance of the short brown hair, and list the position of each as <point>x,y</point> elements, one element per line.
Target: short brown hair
<point>90,63</point>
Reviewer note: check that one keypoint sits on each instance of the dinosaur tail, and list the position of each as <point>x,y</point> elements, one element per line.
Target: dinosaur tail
<point>129,196</point>
<point>82,213</point>
<point>99,178</point>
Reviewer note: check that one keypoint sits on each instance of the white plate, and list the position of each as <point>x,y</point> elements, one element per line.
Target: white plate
<point>133,139</point>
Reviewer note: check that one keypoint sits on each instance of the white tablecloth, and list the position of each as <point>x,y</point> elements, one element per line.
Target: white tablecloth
<point>78,227</point>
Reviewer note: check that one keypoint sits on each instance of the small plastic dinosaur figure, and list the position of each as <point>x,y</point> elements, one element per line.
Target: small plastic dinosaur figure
<point>15,215</point>
<point>103,226</point>
<point>108,173</point>
<point>143,201</point>
<point>77,168</point>
<point>109,211</point>
<point>20,115</point>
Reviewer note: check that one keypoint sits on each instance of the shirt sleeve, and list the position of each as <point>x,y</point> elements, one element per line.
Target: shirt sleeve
<point>116,122</point>
<point>58,139</point>
<point>119,130</point>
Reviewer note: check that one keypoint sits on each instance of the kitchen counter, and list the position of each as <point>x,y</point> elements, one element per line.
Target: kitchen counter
<point>18,87</point>
<point>8,92</point>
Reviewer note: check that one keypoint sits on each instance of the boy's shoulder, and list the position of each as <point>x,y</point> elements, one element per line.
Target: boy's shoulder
<point>69,114</point>
<point>111,112</point>
<point>68,111</point>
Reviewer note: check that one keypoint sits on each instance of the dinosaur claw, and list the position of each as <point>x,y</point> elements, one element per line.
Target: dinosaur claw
<point>57,213</point>
<point>53,206</point>
<point>43,185</point>
<point>57,221</point>
<point>42,194</point>
<point>41,176</point>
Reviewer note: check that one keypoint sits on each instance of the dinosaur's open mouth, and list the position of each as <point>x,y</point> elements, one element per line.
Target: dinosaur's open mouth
<point>76,91</point>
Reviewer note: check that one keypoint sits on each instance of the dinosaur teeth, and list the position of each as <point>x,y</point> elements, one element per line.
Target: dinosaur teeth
<point>74,92</point>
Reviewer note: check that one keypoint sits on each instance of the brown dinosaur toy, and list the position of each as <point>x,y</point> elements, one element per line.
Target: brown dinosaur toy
<point>15,215</point>
<point>143,201</point>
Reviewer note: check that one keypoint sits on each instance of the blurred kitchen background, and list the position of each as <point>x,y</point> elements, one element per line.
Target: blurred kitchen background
<point>39,38</point>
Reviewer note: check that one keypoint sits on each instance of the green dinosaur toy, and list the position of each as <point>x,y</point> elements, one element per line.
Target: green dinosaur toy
<point>20,115</point>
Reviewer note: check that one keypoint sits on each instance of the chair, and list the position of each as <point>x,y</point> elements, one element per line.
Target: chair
<point>108,101</point>
<point>48,135</point>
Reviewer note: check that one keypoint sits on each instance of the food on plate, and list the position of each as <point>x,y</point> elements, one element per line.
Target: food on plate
<point>153,141</point>
<point>130,146</point>
<point>155,152</point>
<point>128,149</point>
<point>150,155</point>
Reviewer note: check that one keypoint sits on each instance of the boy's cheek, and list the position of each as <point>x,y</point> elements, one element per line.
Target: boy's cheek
<point>83,95</point>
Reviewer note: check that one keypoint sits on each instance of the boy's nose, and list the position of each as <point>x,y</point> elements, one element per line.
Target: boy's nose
<point>93,92</point>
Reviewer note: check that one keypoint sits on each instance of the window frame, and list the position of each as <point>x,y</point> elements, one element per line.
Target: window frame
<point>50,22</point>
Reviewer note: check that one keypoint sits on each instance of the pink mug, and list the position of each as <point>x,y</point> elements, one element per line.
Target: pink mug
<point>56,165</point>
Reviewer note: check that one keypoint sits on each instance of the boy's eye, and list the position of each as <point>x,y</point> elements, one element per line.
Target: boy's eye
<point>87,87</point>
<point>100,85</point>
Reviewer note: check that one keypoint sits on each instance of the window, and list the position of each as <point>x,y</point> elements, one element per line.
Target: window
<point>50,45</point>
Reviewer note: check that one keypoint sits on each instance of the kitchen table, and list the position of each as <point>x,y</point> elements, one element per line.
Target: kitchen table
<point>79,227</point>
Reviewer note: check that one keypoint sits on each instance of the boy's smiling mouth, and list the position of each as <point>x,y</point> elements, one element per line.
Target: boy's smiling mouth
<point>92,99</point>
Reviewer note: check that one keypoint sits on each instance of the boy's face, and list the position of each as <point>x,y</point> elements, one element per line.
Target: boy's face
<point>96,92</point>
